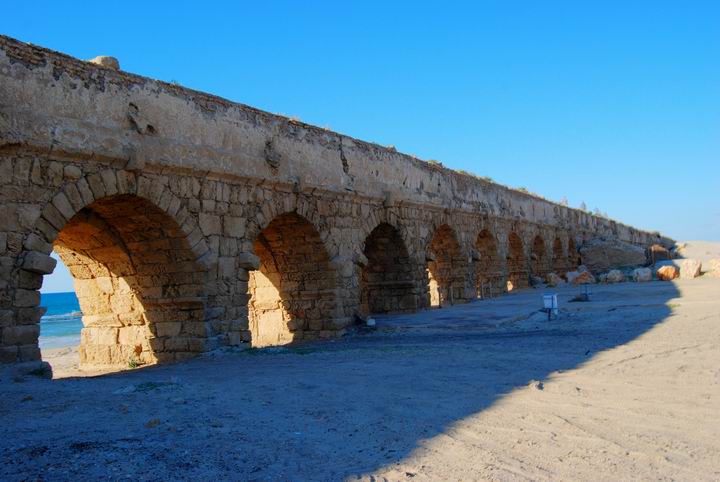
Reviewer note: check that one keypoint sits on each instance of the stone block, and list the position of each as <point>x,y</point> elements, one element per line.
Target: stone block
<point>35,243</point>
<point>167,328</point>
<point>30,352</point>
<point>26,298</point>
<point>38,262</point>
<point>210,224</point>
<point>20,335</point>
<point>234,226</point>
<point>176,344</point>
<point>132,335</point>
<point>7,318</point>
<point>72,172</point>
<point>8,354</point>
<point>62,204</point>
<point>29,316</point>
<point>248,261</point>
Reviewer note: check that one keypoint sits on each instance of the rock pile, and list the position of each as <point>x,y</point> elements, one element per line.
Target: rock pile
<point>602,255</point>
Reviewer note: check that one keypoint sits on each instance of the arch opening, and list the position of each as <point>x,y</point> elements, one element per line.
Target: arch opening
<point>573,256</point>
<point>293,293</point>
<point>138,284</point>
<point>538,257</point>
<point>517,266</point>
<point>386,282</point>
<point>559,260</point>
<point>488,268</point>
<point>446,269</point>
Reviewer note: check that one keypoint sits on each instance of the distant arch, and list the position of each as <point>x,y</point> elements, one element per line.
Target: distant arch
<point>386,281</point>
<point>559,259</point>
<point>446,268</point>
<point>517,265</point>
<point>488,268</point>
<point>538,257</point>
<point>573,256</point>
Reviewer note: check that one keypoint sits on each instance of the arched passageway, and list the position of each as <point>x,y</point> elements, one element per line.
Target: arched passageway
<point>517,265</point>
<point>139,286</point>
<point>488,268</point>
<point>559,260</point>
<point>573,256</point>
<point>538,257</point>
<point>447,269</point>
<point>386,282</point>
<point>293,293</point>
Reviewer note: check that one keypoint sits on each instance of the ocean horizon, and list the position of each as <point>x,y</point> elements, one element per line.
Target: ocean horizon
<point>62,322</point>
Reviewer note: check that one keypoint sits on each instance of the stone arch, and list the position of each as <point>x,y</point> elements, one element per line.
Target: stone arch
<point>573,257</point>
<point>538,257</point>
<point>113,338</point>
<point>386,281</point>
<point>559,259</point>
<point>447,268</point>
<point>516,263</point>
<point>293,293</point>
<point>488,268</point>
<point>289,204</point>
<point>139,283</point>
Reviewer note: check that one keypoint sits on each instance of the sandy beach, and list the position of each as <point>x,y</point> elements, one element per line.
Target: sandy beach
<point>624,387</point>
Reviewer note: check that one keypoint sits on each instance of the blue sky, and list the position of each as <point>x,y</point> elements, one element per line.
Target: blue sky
<point>616,104</point>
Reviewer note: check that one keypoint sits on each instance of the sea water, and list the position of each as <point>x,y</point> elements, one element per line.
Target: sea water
<point>61,324</point>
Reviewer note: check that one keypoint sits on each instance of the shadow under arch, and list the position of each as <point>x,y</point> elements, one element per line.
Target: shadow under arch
<point>138,282</point>
<point>447,268</point>
<point>293,293</point>
<point>387,281</point>
<point>538,257</point>
<point>559,261</point>
<point>489,279</point>
<point>573,257</point>
<point>516,264</point>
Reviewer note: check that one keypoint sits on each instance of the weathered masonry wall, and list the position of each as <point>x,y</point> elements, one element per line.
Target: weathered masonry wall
<point>190,222</point>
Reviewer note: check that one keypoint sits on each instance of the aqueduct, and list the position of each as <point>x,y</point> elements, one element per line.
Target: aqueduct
<point>189,222</point>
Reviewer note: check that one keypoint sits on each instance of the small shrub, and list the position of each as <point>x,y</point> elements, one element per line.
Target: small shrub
<point>132,362</point>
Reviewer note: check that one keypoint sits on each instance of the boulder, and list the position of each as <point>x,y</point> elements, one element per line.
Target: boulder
<point>552,279</point>
<point>659,252</point>
<point>603,255</point>
<point>536,281</point>
<point>713,267</point>
<point>615,276</point>
<point>582,268</point>
<point>688,268</point>
<point>642,274</point>
<point>583,278</point>
<point>667,273</point>
<point>106,61</point>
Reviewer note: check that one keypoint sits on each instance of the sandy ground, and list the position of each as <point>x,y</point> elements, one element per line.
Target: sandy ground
<point>702,250</point>
<point>624,387</point>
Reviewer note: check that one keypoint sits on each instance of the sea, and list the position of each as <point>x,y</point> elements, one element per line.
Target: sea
<point>61,324</point>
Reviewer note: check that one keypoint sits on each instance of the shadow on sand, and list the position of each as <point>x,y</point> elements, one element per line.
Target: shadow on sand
<point>329,410</point>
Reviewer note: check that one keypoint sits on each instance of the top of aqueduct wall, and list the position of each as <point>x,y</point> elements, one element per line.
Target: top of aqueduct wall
<point>66,107</point>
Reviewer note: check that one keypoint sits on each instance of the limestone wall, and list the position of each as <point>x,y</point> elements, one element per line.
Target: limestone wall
<point>163,200</point>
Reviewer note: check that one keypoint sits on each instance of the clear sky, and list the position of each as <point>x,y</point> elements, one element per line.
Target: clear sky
<point>616,104</point>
